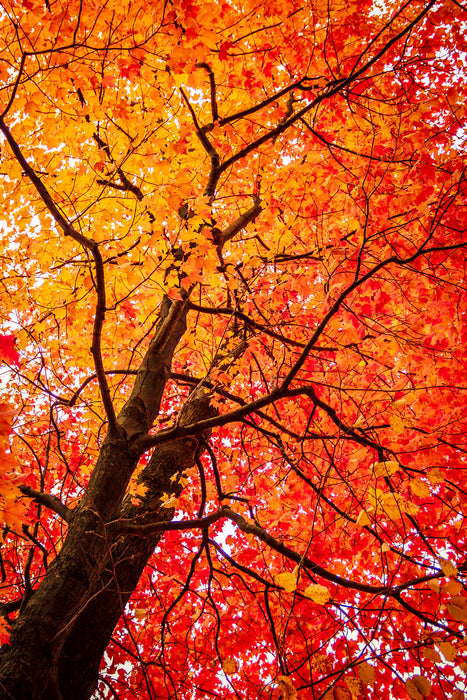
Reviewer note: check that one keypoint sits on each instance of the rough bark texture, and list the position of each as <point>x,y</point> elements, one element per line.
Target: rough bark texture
<point>58,640</point>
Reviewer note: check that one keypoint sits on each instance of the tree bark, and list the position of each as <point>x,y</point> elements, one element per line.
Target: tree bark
<point>58,640</point>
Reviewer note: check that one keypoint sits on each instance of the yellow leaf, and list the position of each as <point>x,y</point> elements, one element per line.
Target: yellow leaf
<point>318,594</point>
<point>396,424</point>
<point>435,476</point>
<point>385,468</point>
<point>420,488</point>
<point>136,489</point>
<point>362,519</point>
<point>448,568</point>
<point>355,686</point>
<point>394,505</point>
<point>169,501</point>
<point>434,585</point>
<point>418,687</point>
<point>140,613</point>
<point>34,103</point>
<point>287,688</point>
<point>230,666</point>
<point>287,580</point>
<point>407,506</point>
<point>366,673</point>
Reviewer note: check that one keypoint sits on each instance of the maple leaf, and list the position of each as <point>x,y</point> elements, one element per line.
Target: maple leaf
<point>7,349</point>
<point>319,594</point>
<point>418,687</point>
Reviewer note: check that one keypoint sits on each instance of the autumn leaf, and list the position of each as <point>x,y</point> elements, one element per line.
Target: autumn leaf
<point>418,687</point>
<point>7,349</point>
<point>457,695</point>
<point>385,468</point>
<point>4,631</point>
<point>366,673</point>
<point>355,687</point>
<point>287,580</point>
<point>318,594</point>
<point>169,500</point>
<point>452,587</point>
<point>362,519</point>
<point>457,608</point>
<point>230,666</point>
<point>420,488</point>
<point>342,693</point>
<point>448,568</point>
<point>431,654</point>
<point>138,490</point>
<point>447,650</point>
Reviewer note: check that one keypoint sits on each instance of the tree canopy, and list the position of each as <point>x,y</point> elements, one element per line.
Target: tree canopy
<point>233,324</point>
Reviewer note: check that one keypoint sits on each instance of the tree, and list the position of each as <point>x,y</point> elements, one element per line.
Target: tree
<point>233,266</point>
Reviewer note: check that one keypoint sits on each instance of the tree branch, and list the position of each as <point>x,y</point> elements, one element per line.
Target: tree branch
<point>138,414</point>
<point>127,185</point>
<point>212,81</point>
<point>141,529</point>
<point>251,528</point>
<point>330,90</point>
<point>243,220</point>
<point>227,311</point>
<point>49,501</point>
<point>93,248</point>
<point>208,147</point>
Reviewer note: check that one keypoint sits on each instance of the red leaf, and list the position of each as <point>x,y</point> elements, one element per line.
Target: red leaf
<point>7,350</point>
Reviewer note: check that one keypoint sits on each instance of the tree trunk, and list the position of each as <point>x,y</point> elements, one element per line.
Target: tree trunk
<point>58,640</point>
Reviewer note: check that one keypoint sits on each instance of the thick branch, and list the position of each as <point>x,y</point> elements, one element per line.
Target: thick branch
<point>138,414</point>
<point>49,501</point>
<point>243,220</point>
<point>212,82</point>
<point>142,529</point>
<point>251,528</point>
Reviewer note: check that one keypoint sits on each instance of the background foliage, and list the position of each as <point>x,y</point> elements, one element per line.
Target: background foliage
<point>297,170</point>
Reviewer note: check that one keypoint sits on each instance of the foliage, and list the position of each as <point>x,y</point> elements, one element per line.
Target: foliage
<point>288,180</point>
